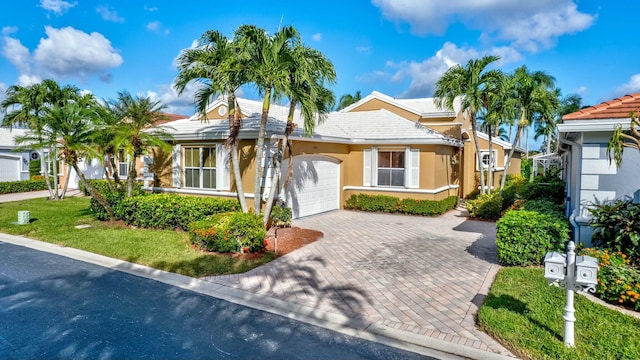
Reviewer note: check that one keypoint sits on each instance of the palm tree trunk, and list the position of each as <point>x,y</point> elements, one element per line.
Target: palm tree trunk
<point>44,166</point>
<point>66,182</point>
<point>114,170</point>
<point>131,178</point>
<point>55,174</point>
<point>232,143</point>
<point>257,193</point>
<point>289,175</point>
<point>105,169</point>
<point>474,132</point>
<point>506,164</point>
<point>490,172</point>
<point>94,194</point>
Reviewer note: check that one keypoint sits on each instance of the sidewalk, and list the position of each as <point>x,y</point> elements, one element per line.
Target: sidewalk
<point>35,195</point>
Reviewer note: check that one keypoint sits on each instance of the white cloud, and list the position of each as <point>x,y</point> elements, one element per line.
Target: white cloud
<point>631,87</point>
<point>8,30</point>
<point>526,25</point>
<point>151,9</point>
<point>57,6</point>
<point>109,14</point>
<point>175,104</point>
<point>64,53</point>
<point>316,37</point>
<point>154,25</point>
<point>424,75</point>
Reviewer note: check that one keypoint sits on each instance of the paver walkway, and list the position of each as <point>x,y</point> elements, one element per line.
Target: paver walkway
<point>417,274</point>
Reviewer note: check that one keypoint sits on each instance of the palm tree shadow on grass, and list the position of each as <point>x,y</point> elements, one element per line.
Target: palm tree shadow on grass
<point>514,305</point>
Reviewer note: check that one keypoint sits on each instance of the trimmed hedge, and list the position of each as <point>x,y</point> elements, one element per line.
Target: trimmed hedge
<point>11,187</point>
<point>170,211</point>
<point>102,186</point>
<point>524,237</point>
<point>392,204</point>
<point>485,206</point>
<point>229,232</point>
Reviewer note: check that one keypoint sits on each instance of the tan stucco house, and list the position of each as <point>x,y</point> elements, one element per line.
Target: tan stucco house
<point>379,145</point>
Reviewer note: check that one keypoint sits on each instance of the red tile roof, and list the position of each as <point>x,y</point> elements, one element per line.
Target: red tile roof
<point>618,108</point>
<point>169,118</point>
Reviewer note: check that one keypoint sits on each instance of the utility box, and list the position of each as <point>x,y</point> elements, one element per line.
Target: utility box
<point>586,270</point>
<point>23,217</point>
<point>554,266</point>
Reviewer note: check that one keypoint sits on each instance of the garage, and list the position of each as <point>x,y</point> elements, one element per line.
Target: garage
<point>314,186</point>
<point>9,167</point>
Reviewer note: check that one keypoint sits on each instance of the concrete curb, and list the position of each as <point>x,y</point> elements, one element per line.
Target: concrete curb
<point>337,322</point>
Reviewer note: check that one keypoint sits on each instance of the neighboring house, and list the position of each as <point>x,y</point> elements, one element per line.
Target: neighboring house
<point>380,145</point>
<point>590,176</point>
<point>14,166</point>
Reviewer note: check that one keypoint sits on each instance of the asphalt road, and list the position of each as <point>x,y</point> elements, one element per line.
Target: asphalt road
<point>53,307</point>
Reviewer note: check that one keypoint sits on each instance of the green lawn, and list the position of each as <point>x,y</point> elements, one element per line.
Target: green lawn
<point>525,314</point>
<point>55,221</point>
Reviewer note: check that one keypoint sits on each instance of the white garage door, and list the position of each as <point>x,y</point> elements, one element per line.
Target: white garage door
<point>9,168</point>
<point>314,186</point>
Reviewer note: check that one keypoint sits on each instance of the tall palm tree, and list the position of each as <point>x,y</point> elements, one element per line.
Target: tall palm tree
<point>26,107</point>
<point>135,132</point>
<point>532,92</point>
<point>470,83</point>
<point>269,64</point>
<point>219,65</point>
<point>309,71</point>
<point>348,99</point>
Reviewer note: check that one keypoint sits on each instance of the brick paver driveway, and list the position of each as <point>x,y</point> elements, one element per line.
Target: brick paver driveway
<point>417,274</point>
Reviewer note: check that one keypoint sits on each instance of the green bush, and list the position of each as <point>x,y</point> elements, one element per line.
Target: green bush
<point>616,226</point>
<point>171,211</point>
<point>391,204</point>
<point>618,281</point>
<point>10,187</point>
<point>281,216</point>
<point>34,168</point>
<point>512,188</point>
<point>102,186</point>
<point>229,232</point>
<point>524,237</point>
<point>113,198</point>
<point>553,191</point>
<point>543,206</point>
<point>486,206</point>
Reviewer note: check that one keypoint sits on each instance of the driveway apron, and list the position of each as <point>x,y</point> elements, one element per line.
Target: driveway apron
<point>424,275</point>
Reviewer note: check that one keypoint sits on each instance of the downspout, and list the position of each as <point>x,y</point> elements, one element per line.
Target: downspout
<point>578,181</point>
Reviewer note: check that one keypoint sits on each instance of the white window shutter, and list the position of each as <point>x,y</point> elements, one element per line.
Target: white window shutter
<point>176,168</point>
<point>366,176</point>
<point>412,168</point>
<point>222,172</point>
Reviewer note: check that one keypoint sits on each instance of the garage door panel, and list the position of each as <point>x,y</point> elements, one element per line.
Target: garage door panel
<point>9,168</point>
<point>315,185</point>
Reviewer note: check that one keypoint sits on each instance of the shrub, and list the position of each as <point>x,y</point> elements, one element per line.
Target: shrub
<point>524,237</point>
<point>102,186</point>
<point>391,204</point>
<point>616,226</point>
<point>553,191</point>
<point>10,187</point>
<point>512,189</point>
<point>171,211</point>
<point>34,168</point>
<point>485,206</point>
<point>543,206</point>
<point>281,216</point>
<point>229,232</point>
<point>374,203</point>
<point>113,198</point>
<point>618,282</point>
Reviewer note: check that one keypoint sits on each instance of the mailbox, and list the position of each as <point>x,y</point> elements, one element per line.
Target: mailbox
<point>554,266</point>
<point>586,270</point>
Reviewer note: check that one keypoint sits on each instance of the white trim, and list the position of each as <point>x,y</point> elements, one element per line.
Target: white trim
<point>593,125</point>
<point>211,192</point>
<point>427,123</point>
<point>402,190</point>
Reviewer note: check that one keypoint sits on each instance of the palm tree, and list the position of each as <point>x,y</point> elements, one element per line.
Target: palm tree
<point>26,107</point>
<point>218,64</point>
<point>308,73</point>
<point>471,84</point>
<point>348,99</point>
<point>532,92</point>
<point>269,61</point>
<point>135,132</point>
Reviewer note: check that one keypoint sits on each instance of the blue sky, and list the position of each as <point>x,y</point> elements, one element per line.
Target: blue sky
<point>397,47</point>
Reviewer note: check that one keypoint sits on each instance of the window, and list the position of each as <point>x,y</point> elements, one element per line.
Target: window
<point>200,167</point>
<point>392,167</point>
<point>487,159</point>
<point>123,165</point>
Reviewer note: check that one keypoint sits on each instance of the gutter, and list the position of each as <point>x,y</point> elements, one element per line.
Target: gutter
<point>578,181</point>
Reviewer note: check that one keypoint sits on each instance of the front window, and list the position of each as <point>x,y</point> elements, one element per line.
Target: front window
<point>391,169</point>
<point>487,159</point>
<point>123,165</point>
<point>200,167</point>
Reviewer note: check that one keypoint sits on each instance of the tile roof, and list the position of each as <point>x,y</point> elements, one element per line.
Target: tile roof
<point>618,108</point>
<point>169,118</point>
<point>7,137</point>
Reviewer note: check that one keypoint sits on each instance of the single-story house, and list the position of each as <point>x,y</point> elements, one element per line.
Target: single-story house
<point>379,145</point>
<point>14,166</point>
<point>590,176</point>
